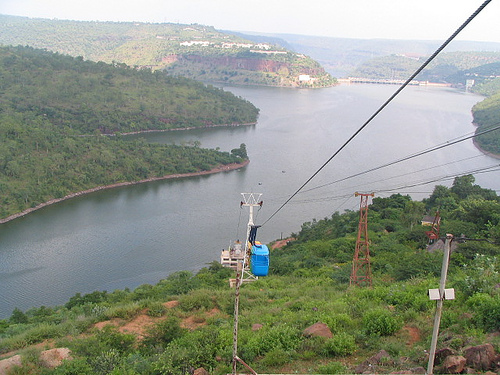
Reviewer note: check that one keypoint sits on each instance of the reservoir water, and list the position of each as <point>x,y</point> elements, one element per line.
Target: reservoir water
<point>140,234</point>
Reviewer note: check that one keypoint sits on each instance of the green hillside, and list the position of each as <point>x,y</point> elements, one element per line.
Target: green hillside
<point>193,51</point>
<point>451,67</point>
<point>54,109</point>
<point>185,322</point>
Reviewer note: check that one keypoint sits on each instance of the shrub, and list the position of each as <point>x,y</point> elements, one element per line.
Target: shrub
<point>74,367</point>
<point>381,322</point>
<point>163,332</point>
<point>277,337</point>
<point>198,299</point>
<point>341,345</point>
<point>157,309</point>
<point>487,311</point>
<point>332,368</point>
<point>276,357</point>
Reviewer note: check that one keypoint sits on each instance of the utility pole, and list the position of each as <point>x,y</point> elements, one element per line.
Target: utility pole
<point>250,200</point>
<point>439,295</point>
<point>361,270</point>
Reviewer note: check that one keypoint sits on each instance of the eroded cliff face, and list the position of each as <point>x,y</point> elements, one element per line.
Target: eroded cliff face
<point>250,70</point>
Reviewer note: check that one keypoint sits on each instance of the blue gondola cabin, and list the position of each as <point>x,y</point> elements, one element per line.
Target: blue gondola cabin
<point>259,263</point>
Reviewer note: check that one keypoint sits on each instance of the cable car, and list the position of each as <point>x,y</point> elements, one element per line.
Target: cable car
<point>259,260</point>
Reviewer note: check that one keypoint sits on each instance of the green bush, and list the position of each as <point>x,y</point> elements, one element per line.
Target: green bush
<point>276,357</point>
<point>332,368</point>
<point>163,333</point>
<point>487,311</point>
<point>74,367</point>
<point>281,336</point>
<point>381,322</point>
<point>197,299</point>
<point>157,309</point>
<point>340,345</point>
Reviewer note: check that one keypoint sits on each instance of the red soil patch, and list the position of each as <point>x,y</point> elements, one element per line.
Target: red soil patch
<point>414,335</point>
<point>279,244</point>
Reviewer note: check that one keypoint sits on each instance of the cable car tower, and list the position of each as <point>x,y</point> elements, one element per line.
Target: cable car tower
<point>361,270</point>
<point>250,200</point>
<point>243,273</point>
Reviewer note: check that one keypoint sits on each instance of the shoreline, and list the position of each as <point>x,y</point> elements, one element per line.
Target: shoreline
<point>493,155</point>
<point>220,168</point>
<point>180,129</point>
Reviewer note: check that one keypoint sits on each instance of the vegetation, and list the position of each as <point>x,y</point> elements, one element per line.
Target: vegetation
<point>451,67</point>
<point>54,109</point>
<point>191,315</point>
<point>487,116</point>
<point>192,51</point>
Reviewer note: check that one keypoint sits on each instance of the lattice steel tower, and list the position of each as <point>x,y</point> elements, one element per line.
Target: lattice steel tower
<point>361,269</point>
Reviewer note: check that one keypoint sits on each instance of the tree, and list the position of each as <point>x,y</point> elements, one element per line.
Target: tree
<point>240,152</point>
<point>412,213</point>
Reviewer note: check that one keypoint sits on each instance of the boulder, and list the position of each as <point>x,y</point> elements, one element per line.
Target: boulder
<point>200,371</point>
<point>453,364</point>
<point>256,326</point>
<point>441,355</point>
<point>54,357</point>
<point>318,329</point>
<point>415,370</point>
<point>481,357</point>
<point>369,366</point>
<point>6,365</point>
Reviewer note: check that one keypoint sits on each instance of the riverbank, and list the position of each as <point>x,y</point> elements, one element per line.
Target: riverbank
<point>221,168</point>
<point>493,155</point>
<point>187,128</point>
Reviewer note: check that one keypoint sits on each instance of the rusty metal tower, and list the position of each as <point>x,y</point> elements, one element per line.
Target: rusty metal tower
<point>361,269</point>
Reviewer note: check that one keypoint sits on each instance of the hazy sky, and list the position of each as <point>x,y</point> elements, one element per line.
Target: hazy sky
<point>390,19</point>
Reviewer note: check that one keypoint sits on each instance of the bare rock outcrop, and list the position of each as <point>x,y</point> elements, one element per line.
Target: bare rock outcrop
<point>7,364</point>
<point>453,364</point>
<point>370,365</point>
<point>318,329</point>
<point>481,357</point>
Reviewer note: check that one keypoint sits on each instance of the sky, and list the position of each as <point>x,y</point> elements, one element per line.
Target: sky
<point>364,19</point>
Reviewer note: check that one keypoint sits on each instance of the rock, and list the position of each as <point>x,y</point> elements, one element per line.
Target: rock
<point>377,358</point>
<point>415,370</point>
<point>480,357</point>
<point>54,357</point>
<point>48,358</point>
<point>256,326</point>
<point>370,365</point>
<point>318,329</point>
<point>453,364</point>
<point>200,371</point>
<point>441,354</point>
<point>418,370</point>
<point>496,362</point>
<point>7,364</point>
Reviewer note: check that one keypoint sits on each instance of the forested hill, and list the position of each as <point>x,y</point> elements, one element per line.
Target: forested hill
<point>87,96</point>
<point>193,51</point>
<point>53,108</point>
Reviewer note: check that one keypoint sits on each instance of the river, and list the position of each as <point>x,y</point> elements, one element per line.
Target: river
<point>140,234</point>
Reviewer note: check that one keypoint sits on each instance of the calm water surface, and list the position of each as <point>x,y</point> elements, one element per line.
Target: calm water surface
<point>141,234</point>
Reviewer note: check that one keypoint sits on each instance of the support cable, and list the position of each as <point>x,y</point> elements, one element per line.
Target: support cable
<point>396,93</point>
<point>436,148</point>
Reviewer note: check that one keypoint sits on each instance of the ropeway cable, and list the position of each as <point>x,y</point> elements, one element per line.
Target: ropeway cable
<point>396,93</point>
<point>447,144</point>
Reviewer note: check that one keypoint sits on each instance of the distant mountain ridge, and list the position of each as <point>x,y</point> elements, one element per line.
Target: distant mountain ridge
<point>193,51</point>
<point>341,56</point>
